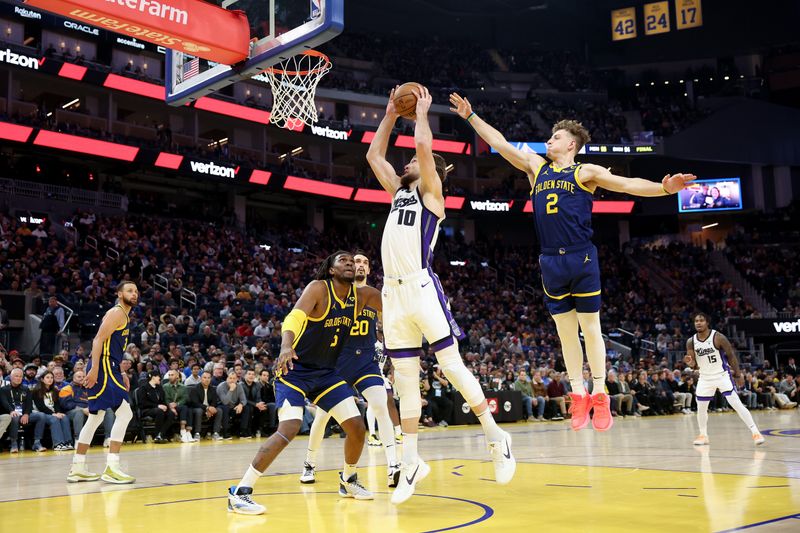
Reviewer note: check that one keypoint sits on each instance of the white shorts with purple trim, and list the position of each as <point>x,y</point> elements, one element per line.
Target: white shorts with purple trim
<point>708,385</point>
<point>414,307</point>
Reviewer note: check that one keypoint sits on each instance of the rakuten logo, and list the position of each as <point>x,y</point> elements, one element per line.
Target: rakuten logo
<point>211,169</point>
<point>329,133</point>
<point>787,327</point>
<point>156,9</point>
<point>491,206</point>
<point>7,56</point>
<point>27,13</point>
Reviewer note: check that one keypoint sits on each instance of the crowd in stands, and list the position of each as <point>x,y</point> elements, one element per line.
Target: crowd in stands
<point>228,320</point>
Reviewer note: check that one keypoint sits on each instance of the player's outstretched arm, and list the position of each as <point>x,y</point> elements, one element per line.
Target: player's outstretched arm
<point>722,343</point>
<point>376,155</point>
<point>689,358</point>
<point>115,317</point>
<point>593,176</point>
<point>526,162</point>
<point>423,140</point>
<point>369,297</point>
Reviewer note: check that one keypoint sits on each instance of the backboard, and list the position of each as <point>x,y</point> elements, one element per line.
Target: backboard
<point>279,29</point>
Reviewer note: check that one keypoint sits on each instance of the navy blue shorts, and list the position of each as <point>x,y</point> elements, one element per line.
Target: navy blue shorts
<point>322,386</point>
<point>109,392</point>
<point>571,280</point>
<point>359,369</point>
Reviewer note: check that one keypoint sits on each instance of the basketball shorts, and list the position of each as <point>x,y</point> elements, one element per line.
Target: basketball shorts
<point>708,385</point>
<point>414,307</point>
<point>359,368</point>
<point>109,392</point>
<point>322,386</point>
<point>571,279</point>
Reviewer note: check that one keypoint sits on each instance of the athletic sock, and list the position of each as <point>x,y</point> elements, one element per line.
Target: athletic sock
<point>410,456</point>
<point>112,460</point>
<point>598,384</point>
<point>250,477</point>
<point>577,386</point>
<point>78,459</point>
<point>348,471</point>
<point>311,457</point>
<point>398,431</point>
<point>490,428</point>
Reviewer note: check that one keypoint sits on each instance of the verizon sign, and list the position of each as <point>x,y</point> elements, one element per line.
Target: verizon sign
<point>212,169</point>
<point>488,205</point>
<point>12,58</point>
<point>330,133</point>
<point>768,327</point>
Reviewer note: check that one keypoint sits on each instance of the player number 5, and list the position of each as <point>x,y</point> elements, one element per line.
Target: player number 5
<point>552,200</point>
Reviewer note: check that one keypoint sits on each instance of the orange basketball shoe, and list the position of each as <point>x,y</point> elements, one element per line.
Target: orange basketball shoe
<point>579,409</point>
<point>601,416</point>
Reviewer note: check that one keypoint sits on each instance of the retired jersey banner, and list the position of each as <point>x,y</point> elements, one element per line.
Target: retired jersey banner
<point>190,26</point>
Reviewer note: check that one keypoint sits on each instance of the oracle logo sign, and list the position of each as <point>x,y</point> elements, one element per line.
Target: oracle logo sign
<point>488,205</point>
<point>7,56</point>
<point>211,169</point>
<point>80,27</point>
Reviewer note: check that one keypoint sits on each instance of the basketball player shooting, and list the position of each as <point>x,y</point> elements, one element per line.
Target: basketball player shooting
<point>561,192</point>
<point>414,304</point>
<point>712,353</point>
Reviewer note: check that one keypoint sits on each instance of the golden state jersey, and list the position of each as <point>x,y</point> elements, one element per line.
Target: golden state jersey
<point>364,333</point>
<point>115,346</point>
<point>562,207</point>
<point>321,340</point>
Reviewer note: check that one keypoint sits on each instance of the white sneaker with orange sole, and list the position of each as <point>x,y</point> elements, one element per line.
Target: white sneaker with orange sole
<point>758,439</point>
<point>701,440</point>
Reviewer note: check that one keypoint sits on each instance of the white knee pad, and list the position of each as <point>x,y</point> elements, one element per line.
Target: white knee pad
<point>345,410</point>
<point>406,383</point>
<point>376,397</point>
<point>123,417</point>
<point>456,373</point>
<point>92,423</point>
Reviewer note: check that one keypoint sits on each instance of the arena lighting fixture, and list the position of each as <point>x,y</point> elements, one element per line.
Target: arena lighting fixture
<point>50,114</point>
<point>220,142</point>
<point>297,151</point>
<point>458,263</point>
<point>711,225</point>
<point>282,157</point>
<point>681,81</point>
<point>637,85</point>
<point>71,103</point>
<point>449,168</point>
<point>294,183</point>
<point>727,78</point>
<point>128,85</point>
<point>73,143</point>
<point>265,246</point>
<point>12,132</point>
<point>666,82</point>
<point>28,41</point>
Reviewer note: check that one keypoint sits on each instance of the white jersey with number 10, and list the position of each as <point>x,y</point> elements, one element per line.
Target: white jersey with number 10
<point>409,235</point>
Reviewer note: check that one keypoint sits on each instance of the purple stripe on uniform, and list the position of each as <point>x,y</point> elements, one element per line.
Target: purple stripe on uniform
<point>727,393</point>
<point>704,398</point>
<point>454,328</point>
<point>427,232</point>
<point>405,352</point>
<point>443,343</point>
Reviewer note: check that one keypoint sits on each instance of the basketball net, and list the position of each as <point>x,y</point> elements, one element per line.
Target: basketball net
<point>294,83</point>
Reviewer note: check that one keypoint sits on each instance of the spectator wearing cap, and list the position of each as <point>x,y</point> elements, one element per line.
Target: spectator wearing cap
<point>232,404</point>
<point>153,403</point>
<point>29,379</point>
<point>17,401</point>
<point>203,404</point>
<point>46,401</point>
<point>176,395</point>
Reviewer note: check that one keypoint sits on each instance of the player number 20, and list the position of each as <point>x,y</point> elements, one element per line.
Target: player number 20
<point>552,204</point>
<point>360,328</point>
<point>405,217</point>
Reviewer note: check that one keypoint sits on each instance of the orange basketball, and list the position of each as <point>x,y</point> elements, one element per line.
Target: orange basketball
<point>405,102</point>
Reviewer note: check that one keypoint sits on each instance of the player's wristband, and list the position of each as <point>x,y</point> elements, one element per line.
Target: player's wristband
<point>470,116</point>
<point>665,190</point>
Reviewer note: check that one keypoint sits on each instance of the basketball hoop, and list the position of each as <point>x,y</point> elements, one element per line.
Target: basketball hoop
<point>293,83</point>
